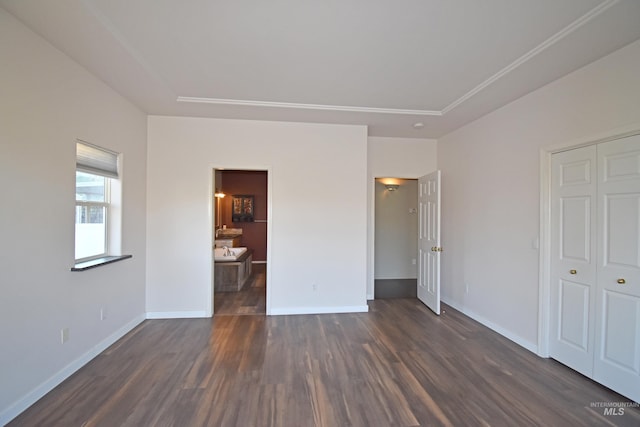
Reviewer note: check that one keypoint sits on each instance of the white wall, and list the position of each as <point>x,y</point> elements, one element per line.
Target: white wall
<point>46,102</point>
<point>317,180</point>
<point>397,158</point>
<point>396,230</point>
<point>490,188</point>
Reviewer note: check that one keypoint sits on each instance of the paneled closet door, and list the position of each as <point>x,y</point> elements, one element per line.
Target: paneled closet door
<point>573,266</point>
<point>617,356</point>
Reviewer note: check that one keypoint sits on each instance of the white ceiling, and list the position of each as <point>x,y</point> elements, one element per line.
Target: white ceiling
<point>383,63</point>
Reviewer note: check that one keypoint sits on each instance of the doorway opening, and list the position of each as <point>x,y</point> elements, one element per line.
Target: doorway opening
<point>396,238</point>
<point>240,225</point>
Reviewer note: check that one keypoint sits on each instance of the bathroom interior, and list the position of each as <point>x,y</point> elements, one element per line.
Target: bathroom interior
<point>240,242</point>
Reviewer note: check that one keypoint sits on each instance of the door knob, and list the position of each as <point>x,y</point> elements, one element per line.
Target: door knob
<point>433,248</point>
<point>622,281</point>
<point>573,271</point>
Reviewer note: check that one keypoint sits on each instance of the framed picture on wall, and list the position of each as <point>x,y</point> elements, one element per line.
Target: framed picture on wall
<point>242,207</point>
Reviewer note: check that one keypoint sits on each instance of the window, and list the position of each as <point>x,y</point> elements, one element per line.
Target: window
<point>92,211</point>
<point>96,180</point>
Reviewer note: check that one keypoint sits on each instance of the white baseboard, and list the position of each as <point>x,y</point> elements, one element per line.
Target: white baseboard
<point>34,395</point>
<point>320,310</point>
<point>176,314</point>
<point>499,329</point>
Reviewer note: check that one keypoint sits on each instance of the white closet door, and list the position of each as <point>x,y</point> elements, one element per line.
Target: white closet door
<point>573,267</point>
<point>617,358</point>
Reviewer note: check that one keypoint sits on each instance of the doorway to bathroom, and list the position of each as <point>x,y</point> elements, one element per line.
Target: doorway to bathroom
<point>240,226</point>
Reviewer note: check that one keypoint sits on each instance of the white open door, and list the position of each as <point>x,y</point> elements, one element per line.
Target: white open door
<point>429,241</point>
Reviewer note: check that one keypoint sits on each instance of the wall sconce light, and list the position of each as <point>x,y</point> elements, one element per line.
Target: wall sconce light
<point>219,195</point>
<point>391,187</point>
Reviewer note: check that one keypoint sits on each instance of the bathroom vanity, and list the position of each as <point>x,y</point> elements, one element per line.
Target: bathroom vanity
<point>233,275</point>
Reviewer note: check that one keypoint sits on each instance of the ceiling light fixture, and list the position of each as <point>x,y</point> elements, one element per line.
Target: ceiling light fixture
<point>391,187</point>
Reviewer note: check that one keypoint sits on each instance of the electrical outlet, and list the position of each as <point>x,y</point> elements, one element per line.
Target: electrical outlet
<point>64,335</point>
<point>103,313</point>
<point>314,286</point>
<point>413,261</point>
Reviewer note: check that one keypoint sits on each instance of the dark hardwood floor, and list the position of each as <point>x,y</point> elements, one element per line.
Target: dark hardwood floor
<point>251,300</point>
<point>398,365</point>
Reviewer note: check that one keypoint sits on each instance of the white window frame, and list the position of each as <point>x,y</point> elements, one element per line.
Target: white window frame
<point>107,217</point>
<point>102,162</point>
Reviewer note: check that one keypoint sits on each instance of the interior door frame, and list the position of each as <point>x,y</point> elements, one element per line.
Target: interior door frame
<point>371,229</point>
<point>212,185</point>
<point>544,255</point>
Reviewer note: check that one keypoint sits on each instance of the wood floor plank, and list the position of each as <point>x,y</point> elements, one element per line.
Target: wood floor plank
<point>397,365</point>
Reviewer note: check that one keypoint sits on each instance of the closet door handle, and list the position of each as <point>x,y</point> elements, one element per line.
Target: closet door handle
<point>622,281</point>
<point>573,271</point>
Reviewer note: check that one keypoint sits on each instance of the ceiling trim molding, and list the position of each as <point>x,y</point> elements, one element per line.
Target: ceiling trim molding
<point>294,105</point>
<point>602,7</point>
<point>555,38</point>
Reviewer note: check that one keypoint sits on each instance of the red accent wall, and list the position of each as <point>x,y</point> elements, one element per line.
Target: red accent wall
<point>252,183</point>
